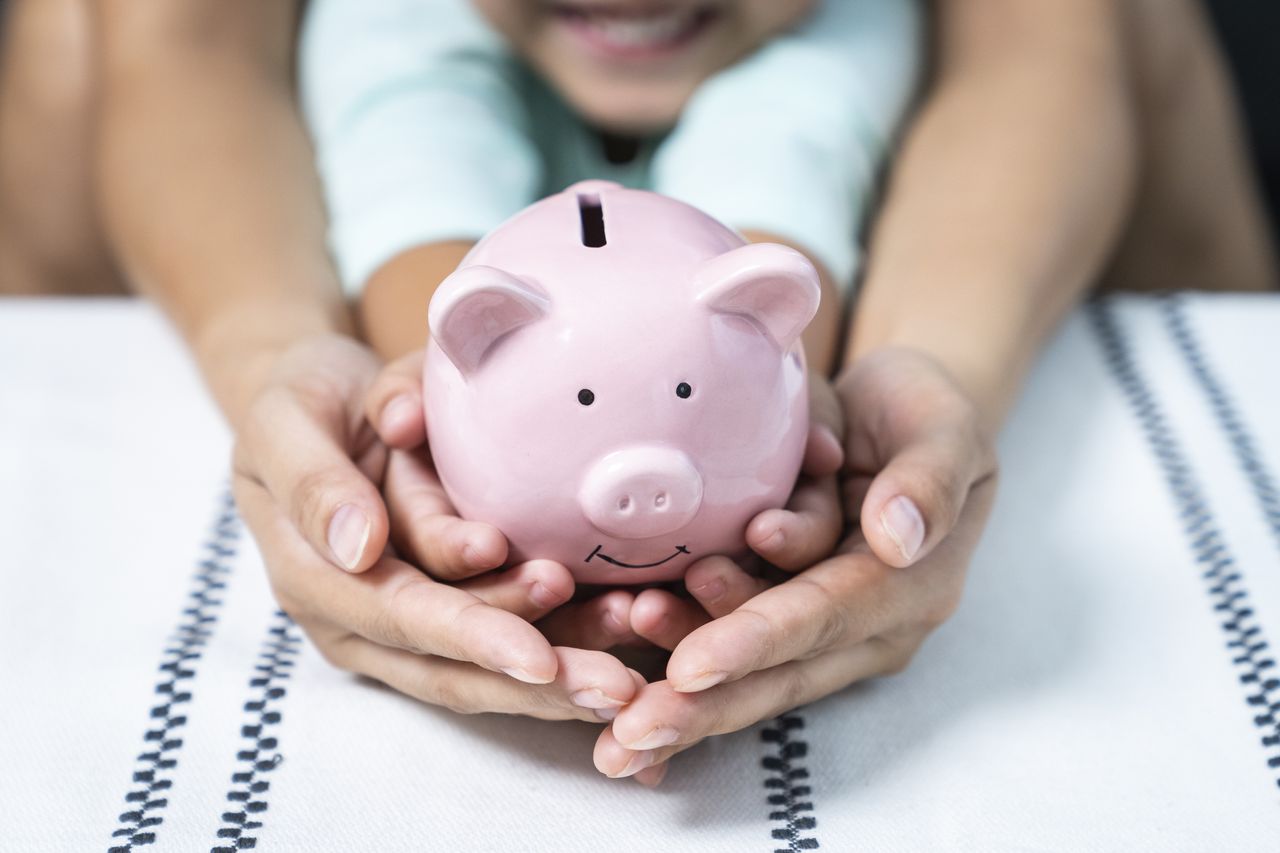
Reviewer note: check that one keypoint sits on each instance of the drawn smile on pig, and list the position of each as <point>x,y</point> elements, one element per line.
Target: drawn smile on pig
<point>680,549</point>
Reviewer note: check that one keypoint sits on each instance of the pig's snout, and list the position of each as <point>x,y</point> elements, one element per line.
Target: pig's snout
<point>642,492</point>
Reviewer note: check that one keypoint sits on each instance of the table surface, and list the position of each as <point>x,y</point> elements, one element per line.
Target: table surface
<point>1105,685</point>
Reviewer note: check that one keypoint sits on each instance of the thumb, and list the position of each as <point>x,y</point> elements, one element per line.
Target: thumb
<point>393,404</point>
<point>916,499</point>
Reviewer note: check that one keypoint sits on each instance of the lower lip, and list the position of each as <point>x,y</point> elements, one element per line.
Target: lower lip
<point>599,42</point>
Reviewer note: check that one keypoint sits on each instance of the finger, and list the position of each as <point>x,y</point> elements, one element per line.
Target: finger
<point>823,450</point>
<point>651,777</point>
<point>394,604</point>
<point>915,501</point>
<point>921,441</point>
<point>806,531</point>
<point>468,689</point>
<point>425,527</point>
<point>660,721</point>
<point>596,681</point>
<point>799,618</point>
<point>394,403</point>
<point>663,619</point>
<point>530,590</point>
<point>312,475</point>
<point>721,586</point>
<point>597,623</point>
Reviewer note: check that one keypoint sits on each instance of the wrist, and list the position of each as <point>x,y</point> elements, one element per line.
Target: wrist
<point>238,346</point>
<point>987,390</point>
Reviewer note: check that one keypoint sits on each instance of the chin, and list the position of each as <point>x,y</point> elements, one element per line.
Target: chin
<point>631,108</point>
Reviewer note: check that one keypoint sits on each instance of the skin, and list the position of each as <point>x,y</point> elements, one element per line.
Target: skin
<point>1015,230</point>
<point>636,95</point>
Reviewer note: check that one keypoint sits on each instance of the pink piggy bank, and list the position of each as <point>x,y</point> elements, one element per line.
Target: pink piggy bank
<point>615,381</point>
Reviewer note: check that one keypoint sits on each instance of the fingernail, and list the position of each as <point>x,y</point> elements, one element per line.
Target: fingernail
<point>399,410</point>
<point>542,596</point>
<point>652,777</point>
<point>711,591</point>
<point>523,675</point>
<point>614,624</point>
<point>638,762</point>
<point>595,699</point>
<point>774,541</point>
<point>660,736</point>
<point>828,437</point>
<point>348,534</point>
<point>606,715</point>
<point>702,681</point>
<point>473,558</point>
<point>904,525</point>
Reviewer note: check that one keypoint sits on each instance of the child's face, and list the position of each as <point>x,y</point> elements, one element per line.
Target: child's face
<point>630,65</point>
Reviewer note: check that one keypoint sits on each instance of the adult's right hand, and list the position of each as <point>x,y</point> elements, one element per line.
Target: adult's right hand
<point>307,471</point>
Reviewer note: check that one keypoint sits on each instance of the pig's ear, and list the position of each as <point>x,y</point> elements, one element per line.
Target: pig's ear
<point>774,287</point>
<point>477,306</point>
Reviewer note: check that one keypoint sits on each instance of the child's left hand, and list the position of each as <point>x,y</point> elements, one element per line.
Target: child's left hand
<point>913,437</point>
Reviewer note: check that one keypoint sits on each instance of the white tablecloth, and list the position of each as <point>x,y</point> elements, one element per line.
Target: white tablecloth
<point>1104,685</point>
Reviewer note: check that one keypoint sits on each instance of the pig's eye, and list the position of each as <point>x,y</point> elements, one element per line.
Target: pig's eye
<point>585,397</point>
<point>683,390</point>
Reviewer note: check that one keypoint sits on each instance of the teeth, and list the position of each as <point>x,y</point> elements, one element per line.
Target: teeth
<point>652,31</point>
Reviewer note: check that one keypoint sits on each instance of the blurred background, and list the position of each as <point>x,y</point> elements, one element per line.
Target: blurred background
<point>1250,34</point>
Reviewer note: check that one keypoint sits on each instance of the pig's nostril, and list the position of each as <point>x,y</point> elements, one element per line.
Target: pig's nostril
<point>624,503</point>
<point>660,500</point>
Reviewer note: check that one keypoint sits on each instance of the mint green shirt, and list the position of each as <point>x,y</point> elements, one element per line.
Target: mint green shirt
<point>427,128</point>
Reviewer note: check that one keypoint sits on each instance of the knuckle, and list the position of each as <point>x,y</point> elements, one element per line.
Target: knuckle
<point>438,689</point>
<point>899,657</point>
<point>311,499</point>
<point>833,620</point>
<point>388,624</point>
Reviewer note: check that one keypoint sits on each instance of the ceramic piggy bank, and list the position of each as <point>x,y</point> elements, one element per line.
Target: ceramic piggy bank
<point>615,381</point>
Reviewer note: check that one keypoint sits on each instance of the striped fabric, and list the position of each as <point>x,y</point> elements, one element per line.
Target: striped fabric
<point>1107,684</point>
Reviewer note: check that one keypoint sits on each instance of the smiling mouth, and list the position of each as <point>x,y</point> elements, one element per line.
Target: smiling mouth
<point>630,31</point>
<point>680,549</point>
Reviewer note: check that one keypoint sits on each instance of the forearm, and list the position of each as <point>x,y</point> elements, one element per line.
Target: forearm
<point>207,184</point>
<point>822,337</point>
<point>393,306</point>
<point>1009,191</point>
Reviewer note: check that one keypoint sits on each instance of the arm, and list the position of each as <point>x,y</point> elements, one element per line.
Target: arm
<point>763,148</point>
<point>207,179</point>
<point>1010,190</point>
<point>1011,187</point>
<point>419,126</point>
<point>207,186</point>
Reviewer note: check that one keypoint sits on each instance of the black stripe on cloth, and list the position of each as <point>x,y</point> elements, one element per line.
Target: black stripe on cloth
<point>1174,308</point>
<point>257,759</point>
<point>791,810</point>
<point>1225,583</point>
<point>152,774</point>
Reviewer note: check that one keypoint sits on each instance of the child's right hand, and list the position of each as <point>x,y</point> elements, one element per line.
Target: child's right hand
<point>427,532</point>
<point>305,461</point>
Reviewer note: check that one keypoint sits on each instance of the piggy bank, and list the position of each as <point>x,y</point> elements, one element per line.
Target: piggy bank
<point>615,381</point>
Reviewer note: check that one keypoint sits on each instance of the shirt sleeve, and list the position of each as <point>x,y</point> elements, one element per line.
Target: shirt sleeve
<point>418,123</point>
<point>791,140</point>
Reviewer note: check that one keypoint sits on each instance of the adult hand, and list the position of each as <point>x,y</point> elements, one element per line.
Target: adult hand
<point>920,478</point>
<point>307,469</point>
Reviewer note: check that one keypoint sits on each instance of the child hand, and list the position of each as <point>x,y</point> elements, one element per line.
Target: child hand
<point>302,457</point>
<point>920,478</point>
<point>427,532</point>
<point>792,538</point>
